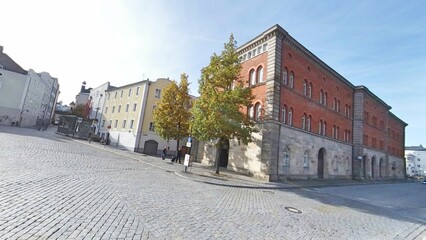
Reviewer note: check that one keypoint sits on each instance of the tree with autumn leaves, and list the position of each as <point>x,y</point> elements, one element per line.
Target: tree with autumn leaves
<point>172,116</point>
<point>217,114</point>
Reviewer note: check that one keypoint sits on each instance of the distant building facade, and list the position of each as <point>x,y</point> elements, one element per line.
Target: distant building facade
<point>415,160</point>
<point>314,124</point>
<point>97,100</point>
<point>27,98</point>
<point>128,116</point>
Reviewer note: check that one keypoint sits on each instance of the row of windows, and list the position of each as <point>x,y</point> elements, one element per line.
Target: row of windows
<point>256,76</point>
<point>129,92</point>
<point>123,125</point>
<point>286,159</point>
<point>287,118</point>
<point>157,93</point>
<point>119,108</point>
<point>252,53</point>
<point>288,79</point>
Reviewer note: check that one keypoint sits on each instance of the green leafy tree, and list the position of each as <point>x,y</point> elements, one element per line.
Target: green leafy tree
<point>217,114</point>
<point>172,115</point>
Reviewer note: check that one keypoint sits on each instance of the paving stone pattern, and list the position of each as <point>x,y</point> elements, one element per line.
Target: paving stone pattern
<point>55,187</point>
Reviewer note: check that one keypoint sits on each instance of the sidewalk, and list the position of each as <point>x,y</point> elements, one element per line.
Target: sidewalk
<point>206,174</point>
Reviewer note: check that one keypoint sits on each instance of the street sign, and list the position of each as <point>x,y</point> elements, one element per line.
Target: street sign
<point>188,144</point>
<point>186,162</point>
<point>80,120</point>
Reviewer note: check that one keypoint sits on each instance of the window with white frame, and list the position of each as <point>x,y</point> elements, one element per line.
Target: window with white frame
<point>257,111</point>
<point>252,77</point>
<point>304,121</point>
<point>151,127</point>
<point>284,76</point>
<point>286,159</point>
<point>124,123</point>
<point>119,108</point>
<point>325,99</point>
<point>284,114</point>
<point>290,117</point>
<point>131,124</point>
<point>308,124</point>
<point>265,47</point>
<point>305,87</point>
<point>306,160</point>
<point>134,107</point>
<point>127,107</point>
<point>321,97</point>
<point>250,112</point>
<point>310,90</point>
<point>291,80</point>
<point>157,93</point>
<point>121,95</point>
<point>259,77</point>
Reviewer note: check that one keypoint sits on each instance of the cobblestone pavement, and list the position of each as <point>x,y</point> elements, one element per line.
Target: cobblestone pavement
<point>55,187</point>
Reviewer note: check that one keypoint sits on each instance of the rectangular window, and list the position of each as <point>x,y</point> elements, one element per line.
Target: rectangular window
<point>286,160</point>
<point>305,161</point>
<point>265,47</point>
<point>151,126</point>
<point>119,108</point>
<point>113,109</point>
<point>121,95</point>
<point>127,107</point>
<point>134,107</point>
<point>131,124</point>
<point>124,123</point>
<point>130,92</point>
<point>106,110</point>
<point>137,91</point>
<point>157,93</point>
<point>103,123</point>
<point>116,124</point>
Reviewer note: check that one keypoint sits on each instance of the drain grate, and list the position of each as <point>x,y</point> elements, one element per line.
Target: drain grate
<point>293,210</point>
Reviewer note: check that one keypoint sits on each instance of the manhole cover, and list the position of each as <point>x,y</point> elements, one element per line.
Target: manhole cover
<point>269,192</point>
<point>293,210</point>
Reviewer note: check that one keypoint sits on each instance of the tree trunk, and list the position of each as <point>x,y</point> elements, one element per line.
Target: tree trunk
<point>218,159</point>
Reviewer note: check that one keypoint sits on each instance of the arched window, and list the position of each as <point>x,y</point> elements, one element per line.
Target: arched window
<point>310,90</point>
<point>250,112</point>
<point>291,80</point>
<point>325,99</point>
<point>320,127</point>
<point>324,128</point>
<point>257,112</point>
<point>308,123</point>
<point>284,76</point>
<point>284,114</point>
<point>305,87</point>
<point>321,97</point>
<point>259,77</point>
<point>338,106</point>
<point>290,117</point>
<point>304,121</point>
<point>335,104</point>
<point>252,77</point>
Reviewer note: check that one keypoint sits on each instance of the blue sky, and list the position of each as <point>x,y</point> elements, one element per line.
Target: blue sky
<point>379,44</point>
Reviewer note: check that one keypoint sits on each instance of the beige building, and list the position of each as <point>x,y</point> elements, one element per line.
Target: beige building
<point>128,116</point>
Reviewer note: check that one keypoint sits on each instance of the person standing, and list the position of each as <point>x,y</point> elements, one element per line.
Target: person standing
<point>179,155</point>
<point>164,153</point>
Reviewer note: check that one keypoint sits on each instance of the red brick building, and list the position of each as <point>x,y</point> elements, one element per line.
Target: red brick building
<point>314,123</point>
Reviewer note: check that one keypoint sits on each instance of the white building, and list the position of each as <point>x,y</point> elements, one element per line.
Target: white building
<point>97,100</point>
<point>415,157</point>
<point>27,98</point>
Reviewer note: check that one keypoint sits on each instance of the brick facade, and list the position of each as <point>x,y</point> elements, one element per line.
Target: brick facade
<point>314,123</point>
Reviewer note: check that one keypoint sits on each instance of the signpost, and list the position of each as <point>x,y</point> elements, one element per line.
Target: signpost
<point>187,156</point>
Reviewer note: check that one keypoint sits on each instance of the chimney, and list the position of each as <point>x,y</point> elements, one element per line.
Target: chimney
<point>1,49</point>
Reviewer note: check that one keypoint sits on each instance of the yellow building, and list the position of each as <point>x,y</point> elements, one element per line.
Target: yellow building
<point>128,116</point>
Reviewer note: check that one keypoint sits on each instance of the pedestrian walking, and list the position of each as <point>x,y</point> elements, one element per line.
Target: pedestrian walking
<point>164,153</point>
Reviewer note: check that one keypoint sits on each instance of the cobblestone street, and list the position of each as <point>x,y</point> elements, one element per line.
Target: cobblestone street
<point>56,187</point>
